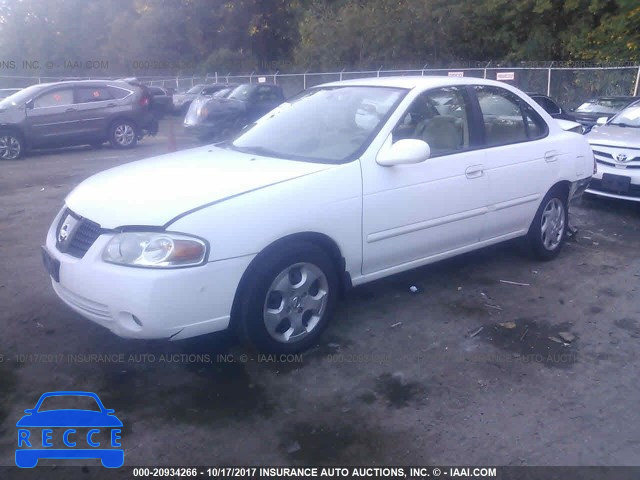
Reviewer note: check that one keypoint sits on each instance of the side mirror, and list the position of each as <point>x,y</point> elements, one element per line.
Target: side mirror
<point>403,152</point>
<point>602,120</point>
<point>29,104</point>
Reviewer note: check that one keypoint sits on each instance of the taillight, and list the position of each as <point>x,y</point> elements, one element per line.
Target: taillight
<point>144,101</point>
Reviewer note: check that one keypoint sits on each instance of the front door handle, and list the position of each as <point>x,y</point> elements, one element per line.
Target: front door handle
<point>474,171</point>
<point>71,109</point>
<point>550,156</point>
<point>111,104</point>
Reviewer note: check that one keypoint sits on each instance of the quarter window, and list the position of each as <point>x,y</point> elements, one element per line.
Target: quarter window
<point>507,118</point>
<point>54,99</point>
<point>439,117</point>
<point>118,93</point>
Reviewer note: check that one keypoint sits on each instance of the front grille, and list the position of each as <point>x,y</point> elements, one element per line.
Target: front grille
<point>604,154</point>
<point>634,190</point>
<point>617,165</point>
<point>86,234</point>
<point>75,234</point>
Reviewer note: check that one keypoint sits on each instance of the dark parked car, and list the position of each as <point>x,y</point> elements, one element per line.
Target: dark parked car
<point>162,100</point>
<point>222,115</point>
<point>82,112</point>
<point>182,101</point>
<point>552,107</point>
<point>6,92</point>
<point>589,112</point>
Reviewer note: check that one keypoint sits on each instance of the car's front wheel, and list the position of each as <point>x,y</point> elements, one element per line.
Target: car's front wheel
<point>288,300</point>
<point>549,227</point>
<point>123,134</point>
<point>11,146</point>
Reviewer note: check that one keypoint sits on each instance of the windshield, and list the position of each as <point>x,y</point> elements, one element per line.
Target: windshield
<point>20,97</point>
<point>195,89</point>
<point>241,93</point>
<point>327,125</point>
<point>629,117</point>
<point>603,105</point>
<point>223,93</point>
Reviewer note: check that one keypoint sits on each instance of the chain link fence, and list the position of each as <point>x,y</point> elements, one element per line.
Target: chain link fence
<point>570,86</point>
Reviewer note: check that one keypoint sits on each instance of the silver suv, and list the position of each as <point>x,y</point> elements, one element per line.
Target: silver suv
<point>75,113</point>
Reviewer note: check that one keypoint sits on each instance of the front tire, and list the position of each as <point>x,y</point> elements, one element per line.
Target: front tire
<point>123,134</point>
<point>11,146</point>
<point>288,300</point>
<point>549,227</point>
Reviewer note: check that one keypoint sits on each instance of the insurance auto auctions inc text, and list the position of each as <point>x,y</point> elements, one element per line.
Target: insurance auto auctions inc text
<point>376,472</point>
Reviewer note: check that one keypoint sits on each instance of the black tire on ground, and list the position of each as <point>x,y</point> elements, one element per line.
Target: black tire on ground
<point>123,134</point>
<point>249,323</point>
<point>548,230</point>
<point>12,145</point>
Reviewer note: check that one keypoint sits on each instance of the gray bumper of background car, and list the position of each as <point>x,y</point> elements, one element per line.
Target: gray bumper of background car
<point>577,188</point>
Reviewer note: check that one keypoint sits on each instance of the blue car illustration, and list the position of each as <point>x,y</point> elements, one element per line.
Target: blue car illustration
<point>36,444</point>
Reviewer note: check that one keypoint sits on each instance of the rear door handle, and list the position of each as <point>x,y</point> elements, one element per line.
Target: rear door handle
<point>551,156</point>
<point>71,109</point>
<point>474,171</point>
<point>111,104</point>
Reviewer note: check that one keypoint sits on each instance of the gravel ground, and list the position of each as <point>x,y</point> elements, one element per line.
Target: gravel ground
<point>467,369</point>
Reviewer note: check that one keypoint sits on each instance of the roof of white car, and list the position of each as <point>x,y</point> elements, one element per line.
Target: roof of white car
<point>414,81</point>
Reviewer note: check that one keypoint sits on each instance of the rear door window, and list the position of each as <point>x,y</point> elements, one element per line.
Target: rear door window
<point>507,118</point>
<point>92,94</point>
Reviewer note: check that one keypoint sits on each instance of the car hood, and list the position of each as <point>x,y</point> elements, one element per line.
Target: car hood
<point>590,117</point>
<point>69,418</point>
<point>153,192</point>
<point>614,136</point>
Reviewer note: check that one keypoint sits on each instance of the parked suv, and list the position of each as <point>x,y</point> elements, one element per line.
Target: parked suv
<point>75,113</point>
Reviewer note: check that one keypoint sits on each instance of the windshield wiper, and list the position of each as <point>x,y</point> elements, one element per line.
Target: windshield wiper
<point>256,150</point>
<point>622,124</point>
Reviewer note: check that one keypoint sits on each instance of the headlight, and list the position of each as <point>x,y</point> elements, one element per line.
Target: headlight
<point>155,249</point>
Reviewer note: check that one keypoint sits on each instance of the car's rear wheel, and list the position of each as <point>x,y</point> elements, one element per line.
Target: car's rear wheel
<point>288,300</point>
<point>123,134</point>
<point>549,227</point>
<point>11,146</point>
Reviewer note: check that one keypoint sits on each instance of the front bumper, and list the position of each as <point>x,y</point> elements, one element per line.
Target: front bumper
<point>200,129</point>
<point>143,302</point>
<point>596,186</point>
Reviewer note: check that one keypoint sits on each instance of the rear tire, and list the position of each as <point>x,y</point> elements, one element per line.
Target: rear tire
<point>548,230</point>
<point>123,134</point>
<point>288,299</point>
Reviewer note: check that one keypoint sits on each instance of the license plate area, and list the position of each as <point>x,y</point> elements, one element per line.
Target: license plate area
<point>615,183</point>
<point>51,264</point>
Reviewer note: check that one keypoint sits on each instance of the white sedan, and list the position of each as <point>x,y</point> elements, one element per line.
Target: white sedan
<point>346,183</point>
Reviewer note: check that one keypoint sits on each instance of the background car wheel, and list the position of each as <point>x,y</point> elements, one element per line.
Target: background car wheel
<point>549,227</point>
<point>288,301</point>
<point>11,146</point>
<point>123,134</point>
